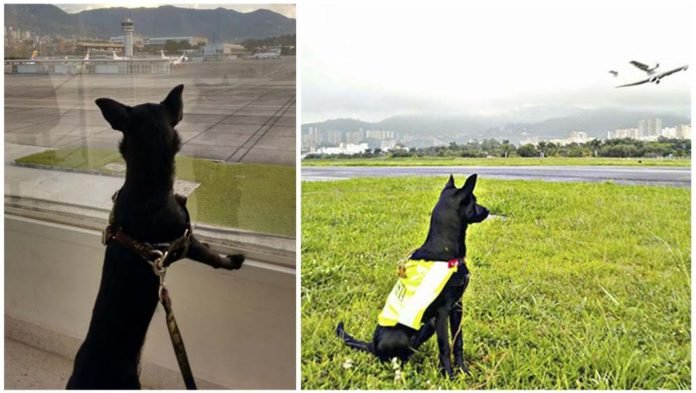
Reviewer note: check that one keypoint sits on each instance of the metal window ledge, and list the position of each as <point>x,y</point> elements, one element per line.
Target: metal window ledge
<point>263,250</point>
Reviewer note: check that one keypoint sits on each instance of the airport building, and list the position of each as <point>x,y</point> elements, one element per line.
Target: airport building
<point>192,40</point>
<point>223,50</point>
<point>138,40</point>
<point>99,48</point>
<point>100,59</point>
<point>127,27</point>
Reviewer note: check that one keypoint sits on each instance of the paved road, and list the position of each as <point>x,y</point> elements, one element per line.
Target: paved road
<point>678,177</point>
<point>238,111</point>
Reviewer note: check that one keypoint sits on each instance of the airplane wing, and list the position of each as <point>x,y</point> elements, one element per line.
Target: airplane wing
<point>634,83</point>
<point>640,65</point>
<point>670,72</point>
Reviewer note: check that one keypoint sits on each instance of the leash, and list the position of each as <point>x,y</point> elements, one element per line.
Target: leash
<point>174,333</point>
<point>160,260</point>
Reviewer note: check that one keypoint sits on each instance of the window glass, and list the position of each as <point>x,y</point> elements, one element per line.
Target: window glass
<point>237,65</point>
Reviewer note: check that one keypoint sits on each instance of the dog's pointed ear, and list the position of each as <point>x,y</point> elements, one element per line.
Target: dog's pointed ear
<point>114,112</point>
<point>174,105</point>
<point>450,183</point>
<point>469,185</point>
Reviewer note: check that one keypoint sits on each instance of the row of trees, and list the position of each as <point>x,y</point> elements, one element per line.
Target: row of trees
<point>663,147</point>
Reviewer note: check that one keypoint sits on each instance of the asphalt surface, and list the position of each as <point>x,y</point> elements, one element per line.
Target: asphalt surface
<point>677,177</point>
<point>238,111</point>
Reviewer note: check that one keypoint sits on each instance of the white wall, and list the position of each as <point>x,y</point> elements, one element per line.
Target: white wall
<point>238,326</point>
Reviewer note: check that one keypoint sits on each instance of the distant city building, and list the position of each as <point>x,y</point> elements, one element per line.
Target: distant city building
<point>573,137</point>
<point>533,140</point>
<point>683,131</point>
<point>344,148</point>
<point>621,133</point>
<point>669,132</point>
<point>386,144</point>
<point>649,128</point>
<point>379,134</point>
<point>333,137</point>
<point>311,139</point>
<point>355,136</point>
<point>578,137</point>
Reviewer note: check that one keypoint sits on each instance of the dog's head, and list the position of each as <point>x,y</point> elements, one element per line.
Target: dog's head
<point>148,129</point>
<point>454,211</point>
<point>457,207</point>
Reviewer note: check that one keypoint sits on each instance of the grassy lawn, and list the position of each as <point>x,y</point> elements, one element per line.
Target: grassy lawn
<point>255,197</point>
<point>511,161</point>
<point>581,286</point>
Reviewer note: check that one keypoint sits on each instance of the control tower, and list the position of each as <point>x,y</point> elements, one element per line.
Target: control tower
<point>127,29</point>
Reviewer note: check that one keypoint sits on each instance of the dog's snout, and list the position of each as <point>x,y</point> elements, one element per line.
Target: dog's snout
<point>480,214</point>
<point>483,211</point>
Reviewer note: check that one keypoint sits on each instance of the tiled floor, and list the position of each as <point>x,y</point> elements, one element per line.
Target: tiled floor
<point>241,111</point>
<point>30,368</point>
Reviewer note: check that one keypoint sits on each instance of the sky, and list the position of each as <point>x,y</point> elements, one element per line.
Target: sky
<point>369,61</point>
<point>283,9</point>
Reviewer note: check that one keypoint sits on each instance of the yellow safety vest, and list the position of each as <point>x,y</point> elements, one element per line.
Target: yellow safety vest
<point>419,284</point>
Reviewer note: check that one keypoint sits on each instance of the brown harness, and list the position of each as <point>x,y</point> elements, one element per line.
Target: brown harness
<point>160,256</point>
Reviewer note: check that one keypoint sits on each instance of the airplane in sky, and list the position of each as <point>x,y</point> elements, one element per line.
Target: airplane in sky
<point>644,67</point>
<point>652,76</point>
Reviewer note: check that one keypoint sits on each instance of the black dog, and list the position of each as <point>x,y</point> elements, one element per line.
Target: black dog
<point>455,209</point>
<point>147,211</point>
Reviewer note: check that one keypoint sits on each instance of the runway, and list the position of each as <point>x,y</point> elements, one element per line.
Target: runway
<point>237,111</point>
<point>676,177</point>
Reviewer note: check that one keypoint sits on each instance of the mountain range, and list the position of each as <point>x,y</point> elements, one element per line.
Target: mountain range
<point>216,24</point>
<point>542,122</point>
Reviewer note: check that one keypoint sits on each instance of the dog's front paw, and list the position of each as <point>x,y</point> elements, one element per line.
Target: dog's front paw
<point>447,372</point>
<point>233,262</point>
<point>446,369</point>
<point>462,369</point>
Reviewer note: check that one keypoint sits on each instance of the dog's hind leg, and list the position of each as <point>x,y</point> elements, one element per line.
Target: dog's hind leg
<point>455,319</point>
<point>200,252</point>
<point>423,334</point>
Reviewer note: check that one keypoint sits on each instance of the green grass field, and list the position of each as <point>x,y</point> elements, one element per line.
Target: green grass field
<point>580,286</point>
<point>511,161</point>
<point>255,197</point>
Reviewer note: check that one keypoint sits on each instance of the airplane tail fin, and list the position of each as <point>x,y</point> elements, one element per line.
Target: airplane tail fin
<point>34,54</point>
<point>352,342</point>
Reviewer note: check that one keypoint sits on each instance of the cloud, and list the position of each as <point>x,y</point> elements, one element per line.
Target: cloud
<point>371,60</point>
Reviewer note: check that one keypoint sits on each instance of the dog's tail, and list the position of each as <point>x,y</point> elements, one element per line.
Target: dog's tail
<point>351,341</point>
